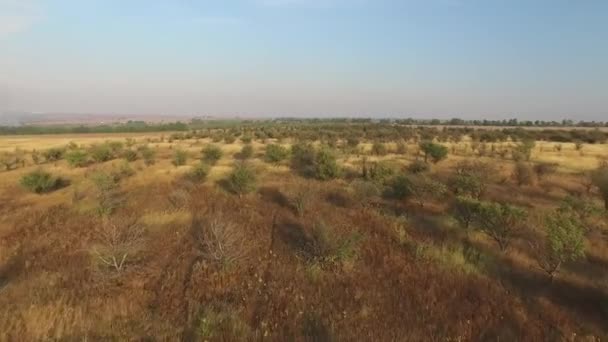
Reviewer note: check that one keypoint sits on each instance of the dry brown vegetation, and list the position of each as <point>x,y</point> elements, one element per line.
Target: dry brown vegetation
<point>138,246</point>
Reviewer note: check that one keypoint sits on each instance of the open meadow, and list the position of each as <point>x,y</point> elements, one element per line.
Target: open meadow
<point>305,232</point>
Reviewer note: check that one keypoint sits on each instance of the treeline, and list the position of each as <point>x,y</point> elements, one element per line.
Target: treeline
<point>128,127</point>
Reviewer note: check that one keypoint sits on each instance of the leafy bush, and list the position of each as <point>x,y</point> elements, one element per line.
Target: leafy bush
<point>465,210</point>
<point>379,149</point>
<point>379,172</point>
<point>523,174</point>
<point>326,165</point>
<point>180,157</point>
<point>40,181</point>
<point>275,153</point>
<point>435,151</point>
<point>199,172</point>
<point>77,158</point>
<point>130,155</point>
<point>246,139</point>
<point>524,150</point>
<point>242,180</point>
<point>425,188</point>
<point>365,192</point>
<point>600,179</point>
<point>148,155</point>
<point>212,153</point>
<point>53,154</point>
<point>303,158</point>
<point>564,242</point>
<point>401,187</point>
<point>101,153</point>
<point>107,192</point>
<point>418,166</point>
<point>500,221</point>
<point>300,198</point>
<point>471,178</point>
<point>246,152</point>
<point>326,246</point>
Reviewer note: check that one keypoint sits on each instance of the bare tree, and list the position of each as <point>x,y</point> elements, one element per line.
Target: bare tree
<point>220,241</point>
<point>118,240</point>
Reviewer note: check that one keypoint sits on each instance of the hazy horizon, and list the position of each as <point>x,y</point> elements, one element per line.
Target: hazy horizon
<point>472,59</point>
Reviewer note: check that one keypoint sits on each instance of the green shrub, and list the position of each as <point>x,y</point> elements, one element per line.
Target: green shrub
<point>425,188</point>
<point>326,165</point>
<point>39,181</point>
<point>465,209</point>
<point>303,158</point>
<point>499,221</point>
<point>130,155</point>
<point>148,155</point>
<point>246,152</point>
<point>437,152</point>
<point>53,154</point>
<point>365,192</point>
<point>523,174</point>
<point>246,139</point>
<point>242,180</point>
<point>418,166</point>
<point>212,153</point>
<point>275,153</point>
<point>401,187</point>
<point>101,153</point>
<point>564,241</point>
<point>107,192</point>
<point>379,149</point>
<point>77,158</point>
<point>471,178</point>
<point>180,157</point>
<point>600,179</point>
<point>200,172</point>
<point>379,172</point>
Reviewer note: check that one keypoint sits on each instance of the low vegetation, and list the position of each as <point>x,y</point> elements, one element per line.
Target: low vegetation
<point>305,230</point>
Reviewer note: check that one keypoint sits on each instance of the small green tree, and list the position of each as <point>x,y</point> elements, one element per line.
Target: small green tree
<point>401,187</point>
<point>40,181</point>
<point>501,222</point>
<point>148,155</point>
<point>437,152</point>
<point>77,158</point>
<point>180,157</point>
<point>130,155</point>
<point>101,153</point>
<point>379,149</point>
<point>326,164</point>
<point>524,150</point>
<point>199,172</point>
<point>275,153</point>
<point>600,179</point>
<point>564,242</point>
<point>418,166</point>
<point>471,178</point>
<point>246,152</point>
<point>53,154</point>
<point>523,174</point>
<point>303,158</point>
<point>425,188</point>
<point>212,154</point>
<point>242,180</point>
<point>107,192</point>
<point>465,209</point>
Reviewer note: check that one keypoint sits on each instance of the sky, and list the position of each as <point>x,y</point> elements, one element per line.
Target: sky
<point>494,59</point>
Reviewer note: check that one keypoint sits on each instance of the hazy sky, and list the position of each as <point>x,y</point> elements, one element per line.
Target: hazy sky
<point>423,58</point>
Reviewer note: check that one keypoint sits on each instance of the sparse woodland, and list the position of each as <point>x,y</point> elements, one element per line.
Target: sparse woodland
<point>316,230</point>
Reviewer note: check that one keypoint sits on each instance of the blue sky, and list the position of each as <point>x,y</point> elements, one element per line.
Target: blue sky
<point>422,58</point>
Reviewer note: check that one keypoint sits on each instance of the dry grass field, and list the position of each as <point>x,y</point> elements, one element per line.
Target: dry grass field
<point>162,249</point>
